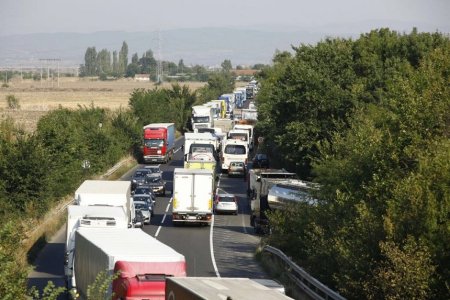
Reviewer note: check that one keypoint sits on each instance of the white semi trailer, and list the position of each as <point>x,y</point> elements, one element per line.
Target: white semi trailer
<point>88,217</point>
<point>144,262</point>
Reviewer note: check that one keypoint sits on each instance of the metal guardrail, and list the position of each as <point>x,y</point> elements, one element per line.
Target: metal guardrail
<point>311,286</point>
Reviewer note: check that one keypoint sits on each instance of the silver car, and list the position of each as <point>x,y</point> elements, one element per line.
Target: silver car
<point>226,203</point>
<point>147,199</point>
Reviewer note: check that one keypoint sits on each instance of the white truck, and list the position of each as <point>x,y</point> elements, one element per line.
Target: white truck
<point>202,116</point>
<point>88,217</point>
<point>224,124</point>
<point>144,262</point>
<point>214,288</point>
<point>249,114</point>
<point>240,135</point>
<point>192,196</point>
<point>250,129</point>
<point>233,150</point>
<point>106,193</point>
<point>199,138</point>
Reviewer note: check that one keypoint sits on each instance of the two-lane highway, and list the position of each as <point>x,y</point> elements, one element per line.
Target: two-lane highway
<point>226,248</point>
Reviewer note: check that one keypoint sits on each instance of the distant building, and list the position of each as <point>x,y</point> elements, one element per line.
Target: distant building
<point>142,77</point>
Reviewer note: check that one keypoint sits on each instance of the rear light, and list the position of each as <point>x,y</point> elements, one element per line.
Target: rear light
<point>245,161</point>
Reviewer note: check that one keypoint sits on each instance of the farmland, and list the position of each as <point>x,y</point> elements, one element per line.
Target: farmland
<point>36,98</point>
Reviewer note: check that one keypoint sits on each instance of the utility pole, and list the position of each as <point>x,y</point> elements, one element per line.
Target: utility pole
<point>48,61</point>
<point>159,70</point>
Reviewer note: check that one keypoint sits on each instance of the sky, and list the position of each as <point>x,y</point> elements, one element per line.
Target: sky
<point>84,16</point>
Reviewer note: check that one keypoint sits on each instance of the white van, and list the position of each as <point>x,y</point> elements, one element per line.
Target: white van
<point>234,150</point>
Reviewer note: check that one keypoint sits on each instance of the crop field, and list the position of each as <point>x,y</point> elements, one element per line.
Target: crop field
<point>36,98</point>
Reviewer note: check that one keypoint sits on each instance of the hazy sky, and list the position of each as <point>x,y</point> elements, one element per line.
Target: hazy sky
<point>33,16</point>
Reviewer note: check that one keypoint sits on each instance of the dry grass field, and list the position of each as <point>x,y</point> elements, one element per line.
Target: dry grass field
<point>37,98</point>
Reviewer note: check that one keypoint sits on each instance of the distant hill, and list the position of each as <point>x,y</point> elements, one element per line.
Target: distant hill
<point>205,46</point>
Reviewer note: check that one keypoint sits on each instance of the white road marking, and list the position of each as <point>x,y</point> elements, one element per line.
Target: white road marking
<point>176,150</point>
<point>164,218</point>
<point>212,249</point>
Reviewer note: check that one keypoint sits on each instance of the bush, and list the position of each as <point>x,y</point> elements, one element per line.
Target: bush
<point>12,102</point>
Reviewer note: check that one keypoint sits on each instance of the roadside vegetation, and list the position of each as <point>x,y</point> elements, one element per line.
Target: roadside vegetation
<point>40,169</point>
<point>368,119</point>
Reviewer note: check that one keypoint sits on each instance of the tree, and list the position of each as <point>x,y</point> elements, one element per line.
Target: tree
<point>115,65</point>
<point>147,63</point>
<point>181,66</point>
<point>90,61</point>
<point>104,62</point>
<point>135,58</point>
<point>226,65</point>
<point>123,59</point>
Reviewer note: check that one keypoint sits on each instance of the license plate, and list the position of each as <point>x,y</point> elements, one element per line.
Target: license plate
<point>192,218</point>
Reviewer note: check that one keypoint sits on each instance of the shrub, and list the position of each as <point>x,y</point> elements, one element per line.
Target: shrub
<point>12,102</point>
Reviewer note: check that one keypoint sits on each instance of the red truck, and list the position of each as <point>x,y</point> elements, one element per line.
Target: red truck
<point>144,280</point>
<point>159,142</point>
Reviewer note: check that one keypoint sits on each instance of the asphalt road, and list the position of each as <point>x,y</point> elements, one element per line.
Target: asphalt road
<point>230,237</point>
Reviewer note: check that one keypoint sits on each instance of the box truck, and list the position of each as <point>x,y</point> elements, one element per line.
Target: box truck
<point>159,142</point>
<point>192,196</point>
<point>88,217</point>
<point>202,116</point>
<point>214,288</point>
<point>142,262</point>
<point>106,193</point>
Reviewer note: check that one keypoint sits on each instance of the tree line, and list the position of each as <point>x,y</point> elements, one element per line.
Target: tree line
<point>367,119</point>
<point>104,65</point>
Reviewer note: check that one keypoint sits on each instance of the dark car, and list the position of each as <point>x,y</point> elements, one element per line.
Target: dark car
<point>138,220</point>
<point>260,161</point>
<point>157,184</point>
<point>140,175</point>
<point>144,190</point>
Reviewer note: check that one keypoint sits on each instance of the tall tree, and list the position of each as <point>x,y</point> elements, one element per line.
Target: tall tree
<point>90,61</point>
<point>135,58</point>
<point>115,66</point>
<point>123,58</point>
<point>104,62</point>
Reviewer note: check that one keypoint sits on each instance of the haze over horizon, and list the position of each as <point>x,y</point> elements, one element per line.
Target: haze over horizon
<point>300,22</point>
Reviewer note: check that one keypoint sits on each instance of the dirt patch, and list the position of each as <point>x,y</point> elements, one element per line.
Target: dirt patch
<point>38,97</point>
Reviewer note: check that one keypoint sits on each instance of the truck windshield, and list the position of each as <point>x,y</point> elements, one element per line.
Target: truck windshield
<point>154,143</point>
<point>203,130</point>
<point>196,148</point>
<point>235,149</point>
<point>200,119</point>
